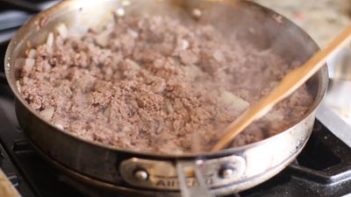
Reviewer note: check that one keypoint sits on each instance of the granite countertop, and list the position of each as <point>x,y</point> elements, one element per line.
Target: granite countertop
<point>322,19</point>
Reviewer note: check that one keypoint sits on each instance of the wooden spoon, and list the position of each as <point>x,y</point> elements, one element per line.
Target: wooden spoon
<point>291,82</point>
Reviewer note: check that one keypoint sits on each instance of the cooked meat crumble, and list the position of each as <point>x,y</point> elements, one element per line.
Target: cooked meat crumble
<point>154,84</point>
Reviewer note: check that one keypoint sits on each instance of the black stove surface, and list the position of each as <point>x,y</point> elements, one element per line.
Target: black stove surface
<point>322,169</point>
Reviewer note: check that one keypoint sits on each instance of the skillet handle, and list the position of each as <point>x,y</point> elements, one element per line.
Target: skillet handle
<point>192,168</point>
<point>6,187</point>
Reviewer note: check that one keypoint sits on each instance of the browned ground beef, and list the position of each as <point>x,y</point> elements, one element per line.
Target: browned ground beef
<point>154,84</point>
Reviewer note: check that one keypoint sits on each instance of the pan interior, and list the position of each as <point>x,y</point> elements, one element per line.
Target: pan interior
<point>247,22</point>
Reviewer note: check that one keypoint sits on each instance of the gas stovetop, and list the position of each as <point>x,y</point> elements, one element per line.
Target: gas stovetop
<point>322,169</point>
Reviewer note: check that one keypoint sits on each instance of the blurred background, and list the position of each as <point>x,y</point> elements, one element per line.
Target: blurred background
<point>322,19</point>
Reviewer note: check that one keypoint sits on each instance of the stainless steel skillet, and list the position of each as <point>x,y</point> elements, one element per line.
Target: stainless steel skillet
<point>139,173</point>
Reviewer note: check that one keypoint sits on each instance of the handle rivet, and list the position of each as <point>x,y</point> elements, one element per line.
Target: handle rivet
<point>226,172</point>
<point>141,175</point>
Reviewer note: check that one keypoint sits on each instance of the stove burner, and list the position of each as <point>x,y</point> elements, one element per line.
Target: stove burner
<point>322,169</point>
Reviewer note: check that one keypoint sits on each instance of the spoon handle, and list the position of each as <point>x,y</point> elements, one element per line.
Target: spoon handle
<point>291,82</point>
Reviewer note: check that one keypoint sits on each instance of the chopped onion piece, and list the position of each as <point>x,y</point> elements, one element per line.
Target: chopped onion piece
<point>62,30</point>
<point>18,86</point>
<point>28,65</point>
<point>233,101</point>
<point>47,113</point>
<point>103,38</point>
<point>132,64</point>
<point>274,116</point>
<point>125,3</point>
<point>192,71</point>
<point>59,126</point>
<point>32,53</point>
<point>120,12</point>
<point>184,44</point>
<point>218,55</point>
<point>133,33</point>
<point>50,42</point>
